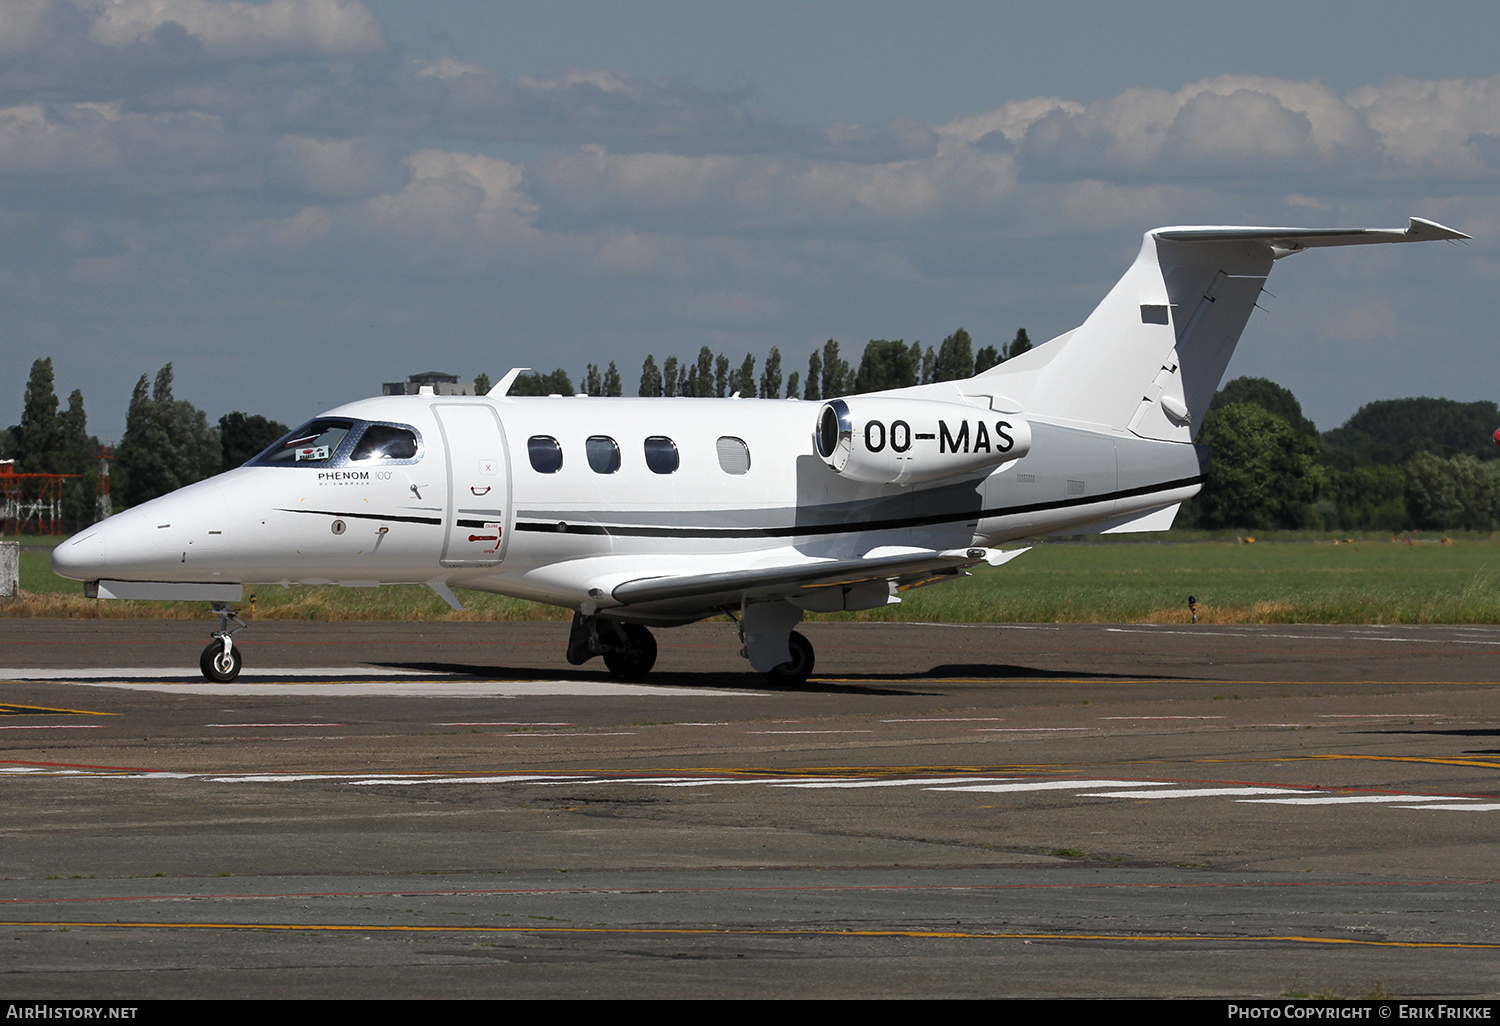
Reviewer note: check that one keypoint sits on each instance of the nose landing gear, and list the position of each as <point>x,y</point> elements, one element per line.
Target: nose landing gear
<point>220,661</point>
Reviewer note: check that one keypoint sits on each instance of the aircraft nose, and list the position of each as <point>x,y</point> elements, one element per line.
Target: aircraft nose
<point>110,547</point>
<point>156,541</point>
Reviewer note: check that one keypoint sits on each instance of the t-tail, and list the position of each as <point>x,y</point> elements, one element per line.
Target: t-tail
<point>1149,358</point>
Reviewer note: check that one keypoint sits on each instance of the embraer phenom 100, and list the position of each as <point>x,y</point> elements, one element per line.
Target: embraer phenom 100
<point>640,513</point>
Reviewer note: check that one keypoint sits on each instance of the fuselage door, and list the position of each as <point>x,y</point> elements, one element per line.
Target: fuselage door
<point>475,520</point>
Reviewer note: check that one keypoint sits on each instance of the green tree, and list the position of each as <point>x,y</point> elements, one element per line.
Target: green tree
<point>1264,473</point>
<point>243,436</point>
<point>669,381</point>
<point>721,375</point>
<point>1392,431</point>
<point>793,383</point>
<point>593,382</point>
<point>835,377</point>
<point>955,358</point>
<point>1269,396</point>
<point>814,386</point>
<point>885,364</point>
<point>1018,345</point>
<point>770,378</point>
<point>482,384</point>
<point>703,378</point>
<point>556,383</point>
<point>743,380</point>
<point>37,433</point>
<point>167,443</point>
<point>612,385</point>
<point>651,380</point>
<point>986,358</point>
<point>1459,493</point>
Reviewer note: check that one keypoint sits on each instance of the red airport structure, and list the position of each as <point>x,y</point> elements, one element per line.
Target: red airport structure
<point>30,501</point>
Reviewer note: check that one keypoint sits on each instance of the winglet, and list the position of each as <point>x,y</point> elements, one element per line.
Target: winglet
<point>1421,230</point>
<point>503,385</point>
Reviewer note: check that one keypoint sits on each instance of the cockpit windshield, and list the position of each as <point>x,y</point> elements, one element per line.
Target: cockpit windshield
<point>334,442</point>
<point>314,442</point>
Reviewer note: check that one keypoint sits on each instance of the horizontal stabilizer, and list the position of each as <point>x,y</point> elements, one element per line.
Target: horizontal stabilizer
<point>1290,240</point>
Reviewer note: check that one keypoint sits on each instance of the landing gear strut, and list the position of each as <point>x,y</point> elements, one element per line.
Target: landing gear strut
<point>220,661</point>
<point>781,655</point>
<point>628,649</point>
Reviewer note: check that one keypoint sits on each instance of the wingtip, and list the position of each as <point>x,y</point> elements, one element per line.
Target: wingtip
<point>1421,228</point>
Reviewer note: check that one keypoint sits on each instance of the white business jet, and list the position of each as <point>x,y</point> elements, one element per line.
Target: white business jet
<point>639,513</point>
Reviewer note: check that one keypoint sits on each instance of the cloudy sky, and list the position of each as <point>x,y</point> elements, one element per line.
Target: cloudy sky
<point>296,200</point>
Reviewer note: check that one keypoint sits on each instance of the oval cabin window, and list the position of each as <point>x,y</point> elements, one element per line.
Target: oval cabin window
<point>545,453</point>
<point>603,454</point>
<point>661,455</point>
<point>734,455</point>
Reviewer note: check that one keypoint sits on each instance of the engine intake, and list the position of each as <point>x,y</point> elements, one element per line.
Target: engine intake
<point>888,441</point>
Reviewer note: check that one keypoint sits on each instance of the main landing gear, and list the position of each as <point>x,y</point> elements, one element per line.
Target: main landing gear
<point>781,655</point>
<point>220,661</point>
<point>794,672</point>
<point>629,650</point>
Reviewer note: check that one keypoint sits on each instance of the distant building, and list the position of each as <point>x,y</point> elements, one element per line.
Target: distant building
<point>429,383</point>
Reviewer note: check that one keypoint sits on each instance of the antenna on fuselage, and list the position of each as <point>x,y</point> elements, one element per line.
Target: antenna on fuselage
<point>503,385</point>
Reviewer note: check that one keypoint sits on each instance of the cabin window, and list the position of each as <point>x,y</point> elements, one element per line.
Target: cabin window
<point>315,442</point>
<point>734,455</point>
<point>661,455</point>
<point>545,453</point>
<point>385,442</point>
<point>603,453</point>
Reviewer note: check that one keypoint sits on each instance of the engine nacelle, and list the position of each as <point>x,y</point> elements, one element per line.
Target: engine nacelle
<point>880,440</point>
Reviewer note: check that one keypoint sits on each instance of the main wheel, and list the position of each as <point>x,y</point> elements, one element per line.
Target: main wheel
<point>639,655</point>
<point>794,672</point>
<point>218,667</point>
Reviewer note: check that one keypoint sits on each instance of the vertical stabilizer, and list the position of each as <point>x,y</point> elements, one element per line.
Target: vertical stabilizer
<point>1151,355</point>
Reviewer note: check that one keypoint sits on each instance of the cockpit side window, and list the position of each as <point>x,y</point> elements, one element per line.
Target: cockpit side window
<point>546,454</point>
<point>385,442</point>
<point>316,442</point>
<point>661,455</point>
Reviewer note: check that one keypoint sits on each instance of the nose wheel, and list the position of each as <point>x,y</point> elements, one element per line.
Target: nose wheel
<point>221,660</point>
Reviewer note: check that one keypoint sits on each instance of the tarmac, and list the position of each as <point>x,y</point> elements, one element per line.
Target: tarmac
<point>380,810</point>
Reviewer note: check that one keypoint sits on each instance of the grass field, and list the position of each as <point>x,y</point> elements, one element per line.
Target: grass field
<point>1299,579</point>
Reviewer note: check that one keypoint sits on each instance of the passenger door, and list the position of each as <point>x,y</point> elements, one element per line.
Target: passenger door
<point>475,516</point>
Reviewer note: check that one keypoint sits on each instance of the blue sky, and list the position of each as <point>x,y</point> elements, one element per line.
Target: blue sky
<point>294,201</point>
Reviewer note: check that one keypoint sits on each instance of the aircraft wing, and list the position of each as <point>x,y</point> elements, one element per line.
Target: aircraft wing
<point>905,567</point>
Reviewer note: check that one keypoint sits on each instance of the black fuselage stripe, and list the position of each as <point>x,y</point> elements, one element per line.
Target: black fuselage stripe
<point>891,524</point>
<point>368,516</point>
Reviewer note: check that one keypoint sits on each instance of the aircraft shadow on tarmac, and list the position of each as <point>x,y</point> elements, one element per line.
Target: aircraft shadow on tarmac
<point>1476,732</point>
<point>755,682</point>
<point>728,681</point>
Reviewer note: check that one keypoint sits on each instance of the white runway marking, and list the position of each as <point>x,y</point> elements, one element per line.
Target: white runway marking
<point>53,726</point>
<point>1053,785</point>
<point>1197,792</point>
<point>997,785</point>
<point>1345,799</point>
<point>186,673</point>
<point>250,687</point>
<point>886,783</point>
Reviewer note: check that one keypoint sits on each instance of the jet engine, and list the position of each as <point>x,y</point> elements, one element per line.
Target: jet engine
<point>879,440</point>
